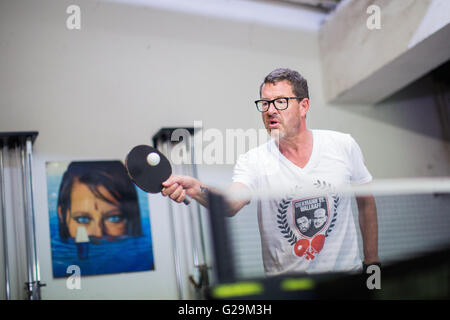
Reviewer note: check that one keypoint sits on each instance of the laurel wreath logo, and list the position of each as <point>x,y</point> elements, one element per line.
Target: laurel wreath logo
<point>282,221</point>
<point>333,220</point>
<point>324,185</point>
<point>284,204</point>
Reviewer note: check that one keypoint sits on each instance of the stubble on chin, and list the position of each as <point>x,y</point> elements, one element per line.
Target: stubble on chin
<point>275,134</point>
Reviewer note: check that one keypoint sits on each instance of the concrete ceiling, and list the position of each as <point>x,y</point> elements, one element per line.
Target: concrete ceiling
<point>364,65</point>
<point>304,15</point>
<point>325,5</point>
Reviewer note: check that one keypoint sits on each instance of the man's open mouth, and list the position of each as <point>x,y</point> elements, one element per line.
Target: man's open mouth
<point>273,123</point>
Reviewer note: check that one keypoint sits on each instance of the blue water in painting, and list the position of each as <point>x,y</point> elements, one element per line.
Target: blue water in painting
<point>126,254</point>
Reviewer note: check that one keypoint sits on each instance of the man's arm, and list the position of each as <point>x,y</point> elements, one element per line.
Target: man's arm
<point>369,227</point>
<point>236,205</point>
<point>178,186</point>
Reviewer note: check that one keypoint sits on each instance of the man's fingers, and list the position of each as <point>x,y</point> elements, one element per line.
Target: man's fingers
<point>175,187</point>
<point>181,197</point>
<point>172,179</point>
<point>169,190</point>
<point>177,192</point>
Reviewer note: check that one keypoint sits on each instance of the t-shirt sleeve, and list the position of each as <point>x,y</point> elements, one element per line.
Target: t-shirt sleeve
<point>244,172</point>
<point>359,172</point>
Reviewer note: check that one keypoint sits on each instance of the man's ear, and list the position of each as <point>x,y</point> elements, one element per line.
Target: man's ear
<point>304,107</point>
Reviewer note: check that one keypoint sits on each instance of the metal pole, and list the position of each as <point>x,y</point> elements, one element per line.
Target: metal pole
<point>174,241</point>
<point>3,211</point>
<point>25,209</point>
<point>199,215</point>
<point>199,255</point>
<point>33,285</point>
<point>191,221</point>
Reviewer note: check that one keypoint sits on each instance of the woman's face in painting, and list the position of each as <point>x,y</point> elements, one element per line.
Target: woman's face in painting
<point>99,217</point>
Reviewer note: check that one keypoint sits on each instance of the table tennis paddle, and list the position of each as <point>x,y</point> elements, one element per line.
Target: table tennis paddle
<point>148,168</point>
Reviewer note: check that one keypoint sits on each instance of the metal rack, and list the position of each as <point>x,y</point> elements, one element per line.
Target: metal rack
<point>17,213</point>
<point>186,223</point>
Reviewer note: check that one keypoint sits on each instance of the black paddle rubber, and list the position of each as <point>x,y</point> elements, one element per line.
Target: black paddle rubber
<point>148,178</point>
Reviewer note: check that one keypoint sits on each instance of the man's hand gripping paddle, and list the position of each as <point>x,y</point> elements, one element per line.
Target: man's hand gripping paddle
<point>148,168</point>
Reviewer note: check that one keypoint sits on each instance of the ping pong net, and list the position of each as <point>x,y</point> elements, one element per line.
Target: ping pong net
<point>413,223</point>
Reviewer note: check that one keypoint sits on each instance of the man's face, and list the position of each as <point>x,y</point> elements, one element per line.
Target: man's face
<point>303,223</point>
<point>282,123</point>
<point>319,218</point>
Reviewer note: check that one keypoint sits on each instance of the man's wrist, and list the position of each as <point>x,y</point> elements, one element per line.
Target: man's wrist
<point>202,193</point>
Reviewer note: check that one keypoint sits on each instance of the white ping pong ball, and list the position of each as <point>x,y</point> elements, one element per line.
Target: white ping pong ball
<point>153,159</point>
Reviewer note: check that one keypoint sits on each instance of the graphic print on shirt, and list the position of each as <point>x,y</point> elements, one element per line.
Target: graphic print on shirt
<point>314,218</point>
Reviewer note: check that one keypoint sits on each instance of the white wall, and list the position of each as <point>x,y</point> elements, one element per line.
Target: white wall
<point>96,92</point>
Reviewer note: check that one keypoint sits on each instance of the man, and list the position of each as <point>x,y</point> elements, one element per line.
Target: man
<point>306,161</point>
<point>304,224</point>
<point>320,217</point>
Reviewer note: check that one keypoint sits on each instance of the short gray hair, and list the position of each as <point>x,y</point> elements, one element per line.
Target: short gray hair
<point>299,84</point>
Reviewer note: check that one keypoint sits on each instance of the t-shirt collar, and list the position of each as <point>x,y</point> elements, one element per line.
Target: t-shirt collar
<point>312,159</point>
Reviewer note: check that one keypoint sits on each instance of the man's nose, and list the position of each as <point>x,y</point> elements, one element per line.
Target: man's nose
<point>271,110</point>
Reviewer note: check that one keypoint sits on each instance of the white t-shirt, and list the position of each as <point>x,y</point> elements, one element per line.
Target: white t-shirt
<point>303,231</point>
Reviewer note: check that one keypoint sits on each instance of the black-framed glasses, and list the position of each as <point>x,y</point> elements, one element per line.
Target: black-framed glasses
<point>279,103</point>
